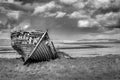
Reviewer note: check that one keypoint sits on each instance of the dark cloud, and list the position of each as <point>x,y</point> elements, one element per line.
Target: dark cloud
<point>16,7</point>
<point>33,1</point>
<point>65,17</point>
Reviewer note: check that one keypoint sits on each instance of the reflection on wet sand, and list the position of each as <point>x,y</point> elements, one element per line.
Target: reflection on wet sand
<point>75,50</point>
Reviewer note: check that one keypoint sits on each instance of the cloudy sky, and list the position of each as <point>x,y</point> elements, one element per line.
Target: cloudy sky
<point>65,19</point>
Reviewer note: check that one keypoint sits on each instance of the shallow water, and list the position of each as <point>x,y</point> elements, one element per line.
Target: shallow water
<point>74,50</point>
<point>90,50</point>
<point>8,52</point>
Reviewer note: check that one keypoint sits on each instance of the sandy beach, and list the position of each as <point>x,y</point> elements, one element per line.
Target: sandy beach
<point>94,68</point>
<point>91,62</point>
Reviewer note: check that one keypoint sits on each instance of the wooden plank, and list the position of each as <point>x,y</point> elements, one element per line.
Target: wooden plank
<point>37,45</point>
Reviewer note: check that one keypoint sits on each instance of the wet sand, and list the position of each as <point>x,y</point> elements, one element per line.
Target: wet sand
<point>89,49</point>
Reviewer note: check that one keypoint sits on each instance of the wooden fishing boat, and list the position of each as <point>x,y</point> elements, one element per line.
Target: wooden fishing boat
<point>33,46</point>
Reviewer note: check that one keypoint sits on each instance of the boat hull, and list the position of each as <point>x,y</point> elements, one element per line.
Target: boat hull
<point>39,48</point>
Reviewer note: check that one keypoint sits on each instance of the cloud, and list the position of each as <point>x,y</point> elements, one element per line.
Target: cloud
<point>48,14</point>
<point>103,14</point>
<point>33,1</point>
<point>80,4</point>
<point>88,23</point>
<point>16,7</point>
<point>46,7</point>
<point>24,25</point>
<point>68,1</point>
<point>60,14</point>
<point>14,14</point>
<point>74,16</point>
<point>109,20</point>
<point>57,14</point>
<point>78,15</point>
<point>83,23</point>
<point>14,18</point>
<point>101,3</point>
<point>114,31</point>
